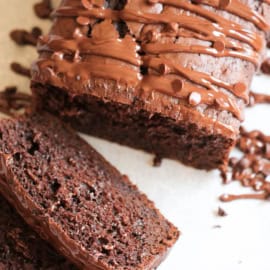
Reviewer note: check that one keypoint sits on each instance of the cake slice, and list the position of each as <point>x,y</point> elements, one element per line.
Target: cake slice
<point>21,248</point>
<point>76,200</point>
<point>167,76</point>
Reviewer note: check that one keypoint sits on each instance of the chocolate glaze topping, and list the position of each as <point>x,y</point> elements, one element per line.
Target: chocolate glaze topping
<point>221,38</point>
<point>253,168</point>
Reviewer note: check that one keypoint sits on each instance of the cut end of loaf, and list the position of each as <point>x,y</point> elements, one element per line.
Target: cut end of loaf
<point>73,191</point>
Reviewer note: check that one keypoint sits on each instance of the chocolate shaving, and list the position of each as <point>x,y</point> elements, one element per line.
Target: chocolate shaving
<point>258,98</point>
<point>253,168</point>
<point>43,9</point>
<point>12,101</point>
<point>21,70</point>
<point>265,67</point>
<point>23,37</point>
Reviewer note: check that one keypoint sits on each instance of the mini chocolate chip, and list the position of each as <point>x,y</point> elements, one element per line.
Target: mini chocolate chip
<point>163,69</point>
<point>177,85</point>
<point>223,4</point>
<point>83,20</point>
<point>195,98</point>
<point>219,45</point>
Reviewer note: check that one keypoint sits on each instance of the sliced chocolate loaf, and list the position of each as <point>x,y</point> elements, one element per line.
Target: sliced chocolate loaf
<point>76,200</point>
<point>21,248</point>
<point>167,76</point>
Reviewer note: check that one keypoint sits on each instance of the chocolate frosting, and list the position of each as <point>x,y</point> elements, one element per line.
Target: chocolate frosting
<point>122,58</point>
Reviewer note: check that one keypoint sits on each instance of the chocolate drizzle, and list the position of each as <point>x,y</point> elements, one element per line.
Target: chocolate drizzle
<point>218,36</point>
<point>258,98</point>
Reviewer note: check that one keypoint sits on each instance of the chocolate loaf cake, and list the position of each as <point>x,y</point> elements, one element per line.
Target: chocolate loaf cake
<point>21,248</point>
<point>76,200</point>
<point>167,76</point>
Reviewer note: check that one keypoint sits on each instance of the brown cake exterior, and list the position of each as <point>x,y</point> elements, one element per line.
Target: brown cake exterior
<point>76,200</point>
<point>21,248</point>
<point>170,77</point>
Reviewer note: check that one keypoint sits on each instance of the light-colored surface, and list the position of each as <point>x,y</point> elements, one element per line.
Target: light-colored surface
<point>186,196</point>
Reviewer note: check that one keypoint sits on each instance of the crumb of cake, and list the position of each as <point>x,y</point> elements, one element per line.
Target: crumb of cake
<point>157,161</point>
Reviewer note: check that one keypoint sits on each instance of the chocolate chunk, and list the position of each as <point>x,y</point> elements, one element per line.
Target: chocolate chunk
<point>219,46</point>
<point>195,99</point>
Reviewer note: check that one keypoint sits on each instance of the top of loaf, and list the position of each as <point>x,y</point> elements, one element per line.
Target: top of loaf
<point>169,54</point>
